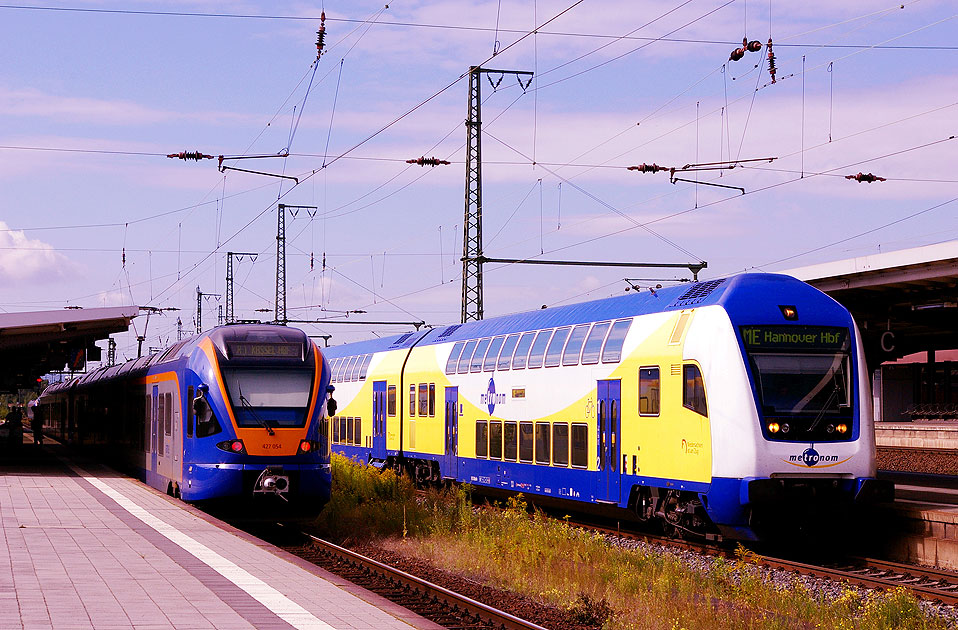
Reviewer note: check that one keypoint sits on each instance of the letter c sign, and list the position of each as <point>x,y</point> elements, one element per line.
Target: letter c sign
<point>888,341</point>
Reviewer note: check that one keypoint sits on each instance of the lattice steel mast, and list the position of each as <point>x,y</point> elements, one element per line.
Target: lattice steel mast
<point>472,222</point>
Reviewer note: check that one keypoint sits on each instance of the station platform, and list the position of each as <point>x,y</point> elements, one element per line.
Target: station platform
<point>923,434</point>
<point>82,546</point>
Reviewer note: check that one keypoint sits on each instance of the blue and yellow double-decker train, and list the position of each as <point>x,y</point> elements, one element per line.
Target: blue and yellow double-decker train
<point>729,407</point>
<point>236,414</point>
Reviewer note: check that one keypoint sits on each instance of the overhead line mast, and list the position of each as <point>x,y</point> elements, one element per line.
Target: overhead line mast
<point>472,222</point>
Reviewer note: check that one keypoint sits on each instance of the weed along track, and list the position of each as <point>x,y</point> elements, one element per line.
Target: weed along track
<point>930,584</point>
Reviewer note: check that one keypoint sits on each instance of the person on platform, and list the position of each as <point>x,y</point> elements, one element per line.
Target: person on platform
<point>36,424</point>
<point>15,422</point>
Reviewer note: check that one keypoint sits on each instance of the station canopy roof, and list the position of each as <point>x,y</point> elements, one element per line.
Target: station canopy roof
<point>35,343</point>
<point>904,301</point>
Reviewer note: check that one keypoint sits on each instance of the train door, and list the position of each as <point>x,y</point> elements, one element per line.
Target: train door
<point>608,418</point>
<point>379,420</point>
<point>154,418</point>
<point>450,464</point>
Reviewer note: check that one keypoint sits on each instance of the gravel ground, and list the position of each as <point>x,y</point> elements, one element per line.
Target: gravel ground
<point>936,462</point>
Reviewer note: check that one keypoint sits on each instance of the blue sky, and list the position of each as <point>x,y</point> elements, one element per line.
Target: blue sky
<point>94,97</point>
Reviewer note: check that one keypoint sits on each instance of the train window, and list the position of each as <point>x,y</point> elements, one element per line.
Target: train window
<point>554,354</point>
<point>147,425</point>
<point>336,429</point>
<point>453,359</point>
<point>542,443</point>
<point>649,391</point>
<point>168,419</point>
<point>343,364</point>
<point>353,373</point>
<point>342,429</point>
<point>508,348</point>
<point>539,349</point>
<point>160,433</point>
<point>580,446</point>
<point>333,369</point>
<point>574,346</point>
<point>510,438</point>
<point>492,354</point>
<point>412,400</point>
<point>350,431</point>
<point>476,364</point>
<point>358,431</point>
<point>482,438</point>
<point>495,440</point>
<point>560,444</point>
<point>391,401</point>
<point>424,400</point>
<point>693,391</point>
<point>522,351</point>
<point>189,411</point>
<point>364,367</point>
<point>463,365</point>
<point>525,441</point>
<point>432,399</point>
<point>612,351</point>
<point>593,344</point>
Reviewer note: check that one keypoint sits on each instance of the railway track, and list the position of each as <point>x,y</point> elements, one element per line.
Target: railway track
<point>936,585</point>
<point>436,603</point>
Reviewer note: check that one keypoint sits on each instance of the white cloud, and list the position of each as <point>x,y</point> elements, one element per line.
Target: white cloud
<point>24,260</point>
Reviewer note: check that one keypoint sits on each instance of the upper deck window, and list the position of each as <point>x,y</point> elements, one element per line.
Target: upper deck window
<point>508,349</point>
<point>612,351</point>
<point>522,351</point>
<point>453,359</point>
<point>554,354</point>
<point>539,348</point>
<point>573,347</point>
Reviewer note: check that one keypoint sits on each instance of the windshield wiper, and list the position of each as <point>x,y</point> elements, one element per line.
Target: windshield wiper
<point>252,412</point>
<point>265,424</point>
<point>836,389</point>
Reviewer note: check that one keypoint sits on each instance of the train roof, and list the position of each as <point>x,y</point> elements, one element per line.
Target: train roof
<point>751,294</point>
<point>219,335</point>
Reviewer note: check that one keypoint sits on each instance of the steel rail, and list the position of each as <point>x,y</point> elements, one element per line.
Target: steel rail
<point>499,618</point>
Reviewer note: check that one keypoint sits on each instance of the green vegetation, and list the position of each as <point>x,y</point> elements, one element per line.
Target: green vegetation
<point>579,571</point>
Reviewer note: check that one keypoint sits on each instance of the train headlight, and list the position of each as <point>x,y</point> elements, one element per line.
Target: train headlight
<point>307,446</point>
<point>830,428</point>
<point>773,427</point>
<point>785,427</point>
<point>842,428</point>
<point>232,446</point>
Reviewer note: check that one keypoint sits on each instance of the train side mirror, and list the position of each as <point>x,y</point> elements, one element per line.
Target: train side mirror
<point>331,405</point>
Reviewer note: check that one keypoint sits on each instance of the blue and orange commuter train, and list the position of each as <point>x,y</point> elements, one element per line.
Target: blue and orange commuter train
<point>737,407</point>
<point>235,414</point>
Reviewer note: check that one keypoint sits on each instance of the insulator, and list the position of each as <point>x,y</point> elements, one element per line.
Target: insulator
<point>190,155</point>
<point>868,178</point>
<point>753,46</point>
<point>324,261</point>
<point>310,261</point>
<point>124,258</point>
<point>321,35</point>
<point>771,61</point>
<point>647,168</point>
<point>424,161</point>
<point>737,54</point>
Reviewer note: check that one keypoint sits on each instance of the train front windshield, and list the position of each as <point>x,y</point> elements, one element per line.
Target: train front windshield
<point>794,383</point>
<point>802,377</point>
<point>273,397</point>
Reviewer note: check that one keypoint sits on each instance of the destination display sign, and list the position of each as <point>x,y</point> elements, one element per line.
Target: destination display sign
<point>821,338</point>
<point>258,349</point>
